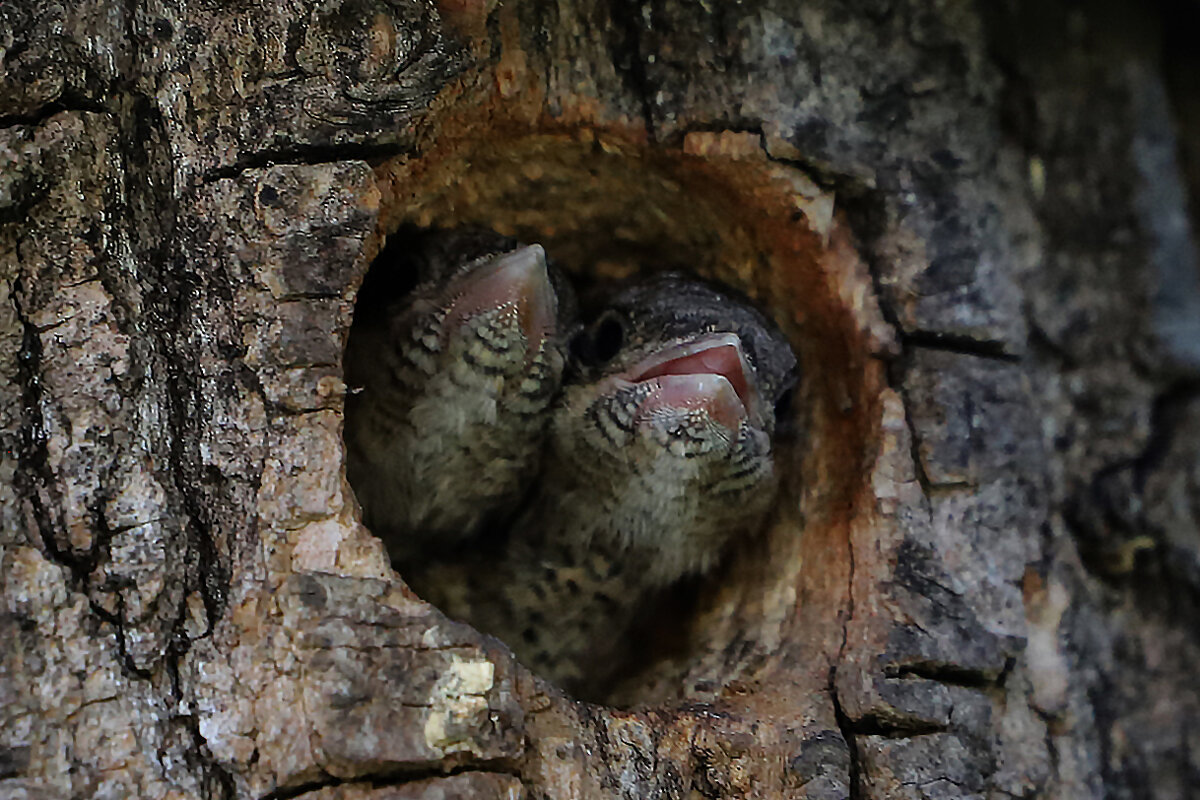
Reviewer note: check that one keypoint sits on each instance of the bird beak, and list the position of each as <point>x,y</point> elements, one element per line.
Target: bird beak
<point>518,281</point>
<point>709,372</point>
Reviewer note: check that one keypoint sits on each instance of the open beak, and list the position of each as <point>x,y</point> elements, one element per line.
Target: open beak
<point>710,373</point>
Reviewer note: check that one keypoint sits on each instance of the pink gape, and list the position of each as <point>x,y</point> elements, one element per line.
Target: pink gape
<point>709,373</point>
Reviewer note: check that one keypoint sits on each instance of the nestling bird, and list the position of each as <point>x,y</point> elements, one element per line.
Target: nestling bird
<point>449,387</point>
<point>660,457</point>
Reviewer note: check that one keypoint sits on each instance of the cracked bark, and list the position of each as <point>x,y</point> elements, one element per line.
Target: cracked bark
<point>971,221</point>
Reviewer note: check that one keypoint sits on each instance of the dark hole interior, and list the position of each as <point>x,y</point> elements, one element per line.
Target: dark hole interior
<point>603,215</point>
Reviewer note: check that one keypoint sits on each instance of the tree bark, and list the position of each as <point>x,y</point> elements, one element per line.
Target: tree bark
<point>983,579</point>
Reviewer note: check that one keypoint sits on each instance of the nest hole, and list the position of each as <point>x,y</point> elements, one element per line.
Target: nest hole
<point>605,210</point>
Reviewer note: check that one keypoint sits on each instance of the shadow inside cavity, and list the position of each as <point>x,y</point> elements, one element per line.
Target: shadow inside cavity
<point>605,215</point>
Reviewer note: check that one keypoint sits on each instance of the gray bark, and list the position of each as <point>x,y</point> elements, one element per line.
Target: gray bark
<point>983,580</point>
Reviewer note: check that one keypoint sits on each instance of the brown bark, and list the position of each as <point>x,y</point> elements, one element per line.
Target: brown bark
<point>982,580</point>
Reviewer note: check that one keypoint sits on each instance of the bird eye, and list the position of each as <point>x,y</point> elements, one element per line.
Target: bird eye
<point>783,406</point>
<point>601,342</point>
<point>608,338</point>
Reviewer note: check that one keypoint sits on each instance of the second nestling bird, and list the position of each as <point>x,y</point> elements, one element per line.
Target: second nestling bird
<point>660,457</point>
<point>450,385</point>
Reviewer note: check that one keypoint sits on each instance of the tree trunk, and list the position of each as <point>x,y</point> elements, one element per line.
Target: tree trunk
<point>983,579</point>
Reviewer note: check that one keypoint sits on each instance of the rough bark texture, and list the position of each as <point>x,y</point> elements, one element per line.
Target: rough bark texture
<point>984,580</point>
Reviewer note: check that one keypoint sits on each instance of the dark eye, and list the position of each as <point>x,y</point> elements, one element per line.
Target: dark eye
<point>600,342</point>
<point>608,337</point>
<point>783,406</point>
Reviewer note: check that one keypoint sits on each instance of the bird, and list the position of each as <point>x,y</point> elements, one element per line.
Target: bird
<point>660,458</point>
<point>450,382</point>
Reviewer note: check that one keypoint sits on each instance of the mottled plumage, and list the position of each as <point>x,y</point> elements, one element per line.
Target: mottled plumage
<point>450,384</point>
<point>659,459</point>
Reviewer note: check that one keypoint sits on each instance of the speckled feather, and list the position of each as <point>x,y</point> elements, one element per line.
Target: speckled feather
<point>445,424</point>
<point>624,509</point>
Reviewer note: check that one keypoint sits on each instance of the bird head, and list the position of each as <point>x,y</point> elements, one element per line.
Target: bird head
<point>487,309</point>
<point>678,353</point>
